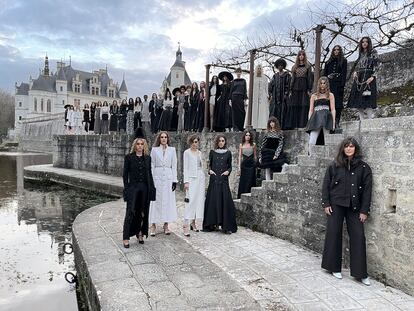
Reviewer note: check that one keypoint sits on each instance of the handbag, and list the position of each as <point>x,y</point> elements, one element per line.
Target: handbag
<point>186,198</point>
<point>366,93</point>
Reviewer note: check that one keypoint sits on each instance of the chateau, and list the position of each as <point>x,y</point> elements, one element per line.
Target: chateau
<point>178,75</point>
<point>49,93</point>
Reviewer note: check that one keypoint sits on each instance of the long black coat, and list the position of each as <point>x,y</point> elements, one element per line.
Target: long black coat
<point>130,176</point>
<point>348,186</point>
<point>336,71</point>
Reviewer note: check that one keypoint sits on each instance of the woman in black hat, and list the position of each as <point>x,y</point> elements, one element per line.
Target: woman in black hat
<point>238,96</point>
<point>279,89</point>
<point>222,111</point>
<point>139,189</point>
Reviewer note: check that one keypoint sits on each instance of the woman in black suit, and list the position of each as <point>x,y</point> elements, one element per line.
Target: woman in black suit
<point>139,190</point>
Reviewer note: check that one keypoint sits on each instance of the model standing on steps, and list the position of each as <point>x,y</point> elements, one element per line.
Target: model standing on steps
<point>321,112</point>
<point>194,186</point>
<point>247,163</point>
<point>272,157</point>
<point>219,206</point>
<point>346,193</point>
<point>164,169</point>
<point>363,94</point>
<point>139,190</point>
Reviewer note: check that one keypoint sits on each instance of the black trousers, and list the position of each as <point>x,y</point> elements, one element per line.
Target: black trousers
<point>332,253</point>
<point>135,214</point>
<point>338,116</point>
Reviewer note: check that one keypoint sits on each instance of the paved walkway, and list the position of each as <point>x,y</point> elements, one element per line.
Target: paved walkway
<point>275,273</point>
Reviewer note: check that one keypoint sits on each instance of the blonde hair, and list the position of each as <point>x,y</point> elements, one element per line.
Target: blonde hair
<point>318,86</point>
<point>134,143</point>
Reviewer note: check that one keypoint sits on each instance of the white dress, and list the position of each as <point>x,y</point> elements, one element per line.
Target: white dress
<point>164,172</point>
<point>194,175</point>
<point>260,111</point>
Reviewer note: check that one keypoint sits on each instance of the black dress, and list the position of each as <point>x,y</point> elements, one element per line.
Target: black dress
<point>92,124</point>
<point>153,116</point>
<point>199,116</point>
<point>279,89</point>
<point>166,116</point>
<point>321,116</point>
<point>219,207</point>
<point>193,108</point>
<point>272,145</point>
<point>363,95</point>
<point>336,70</point>
<point>86,119</point>
<point>113,120</point>
<point>139,190</point>
<point>123,116</point>
<point>222,111</point>
<point>158,112</point>
<point>174,120</point>
<point>238,93</point>
<point>187,113</point>
<point>298,107</point>
<point>247,171</point>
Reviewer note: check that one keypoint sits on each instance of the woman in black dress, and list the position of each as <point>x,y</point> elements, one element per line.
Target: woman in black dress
<point>346,193</point>
<point>123,115</point>
<point>199,116</point>
<point>247,163</point>
<point>222,111</point>
<point>97,128</point>
<point>137,113</point>
<point>92,117</point>
<point>175,111</point>
<point>219,207</point>
<point>272,157</point>
<point>301,88</point>
<point>193,104</point>
<point>139,190</point>
<point>86,118</point>
<point>321,112</point>
<point>238,96</point>
<point>167,113</point>
<point>159,103</point>
<point>152,112</point>
<point>363,94</point>
<point>336,69</point>
<point>214,95</point>
<point>113,119</point>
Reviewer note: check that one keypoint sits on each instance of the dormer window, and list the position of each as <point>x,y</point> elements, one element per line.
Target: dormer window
<point>111,93</point>
<point>77,88</point>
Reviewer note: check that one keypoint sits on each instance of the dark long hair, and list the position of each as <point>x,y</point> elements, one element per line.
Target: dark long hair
<point>297,61</point>
<point>369,49</point>
<point>216,141</point>
<point>212,81</point>
<point>341,158</point>
<point>157,142</point>
<point>167,94</point>
<point>340,56</point>
<point>251,141</point>
<point>277,124</point>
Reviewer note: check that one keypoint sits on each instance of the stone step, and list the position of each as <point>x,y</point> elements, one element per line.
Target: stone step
<point>304,160</point>
<point>293,169</point>
<point>282,178</point>
<point>334,139</point>
<point>255,191</point>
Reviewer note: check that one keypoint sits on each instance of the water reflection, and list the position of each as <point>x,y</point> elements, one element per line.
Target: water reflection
<point>33,222</point>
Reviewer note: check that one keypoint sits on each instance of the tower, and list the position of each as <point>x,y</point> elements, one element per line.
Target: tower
<point>46,69</point>
<point>123,91</point>
<point>61,87</point>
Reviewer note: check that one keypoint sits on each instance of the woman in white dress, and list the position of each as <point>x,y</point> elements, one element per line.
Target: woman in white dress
<point>164,171</point>
<point>260,111</point>
<point>194,186</point>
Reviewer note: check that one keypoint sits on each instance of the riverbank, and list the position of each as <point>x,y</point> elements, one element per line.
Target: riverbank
<point>208,271</point>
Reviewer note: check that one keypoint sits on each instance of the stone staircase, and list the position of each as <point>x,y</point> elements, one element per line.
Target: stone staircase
<point>289,205</point>
<point>9,146</point>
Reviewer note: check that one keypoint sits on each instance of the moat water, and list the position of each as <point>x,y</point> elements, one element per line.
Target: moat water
<point>35,221</point>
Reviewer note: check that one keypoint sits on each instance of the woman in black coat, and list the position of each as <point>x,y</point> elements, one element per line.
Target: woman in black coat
<point>346,193</point>
<point>219,207</point>
<point>335,70</point>
<point>139,190</point>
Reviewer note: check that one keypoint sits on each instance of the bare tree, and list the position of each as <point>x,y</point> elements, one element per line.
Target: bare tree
<point>6,112</point>
<point>389,23</point>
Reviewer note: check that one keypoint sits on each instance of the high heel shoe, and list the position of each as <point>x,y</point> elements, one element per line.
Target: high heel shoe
<point>166,230</point>
<point>140,238</point>
<point>126,245</point>
<point>186,231</point>
<point>193,227</point>
<point>152,230</point>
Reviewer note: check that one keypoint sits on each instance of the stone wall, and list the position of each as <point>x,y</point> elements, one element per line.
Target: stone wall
<point>105,153</point>
<point>37,134</point>
<point>289,206</point>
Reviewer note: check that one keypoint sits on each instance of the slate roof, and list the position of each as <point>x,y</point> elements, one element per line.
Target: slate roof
<point>23,89</point>
<point>123,87</point>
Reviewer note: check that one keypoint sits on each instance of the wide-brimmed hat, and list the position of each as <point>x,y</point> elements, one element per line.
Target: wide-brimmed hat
<point>175,90</point>
<point>225,73</point>
<point>66,106</point>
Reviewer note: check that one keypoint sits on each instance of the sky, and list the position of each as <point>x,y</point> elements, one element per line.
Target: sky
<point>135,38</point>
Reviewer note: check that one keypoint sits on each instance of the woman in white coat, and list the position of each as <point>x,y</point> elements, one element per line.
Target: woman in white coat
<point>164,172</point>
<point>194,186</point>
<point>260,110</point>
